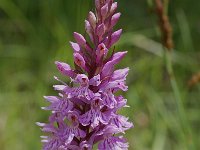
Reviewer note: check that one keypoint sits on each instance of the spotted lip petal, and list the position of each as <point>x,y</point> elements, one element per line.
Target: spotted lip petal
<point>121,122</point>
<point>120,74</point>
<point>95,81</point>
<point>94,117</point>
<point>62,106</point>
<point>113,143</point>
<point>85,145</point>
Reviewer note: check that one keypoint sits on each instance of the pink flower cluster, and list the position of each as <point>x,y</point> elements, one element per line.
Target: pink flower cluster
<point>85,112</point>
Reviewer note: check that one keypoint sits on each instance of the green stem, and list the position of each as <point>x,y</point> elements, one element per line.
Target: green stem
<point>180,106</point>
<point>166,5</point>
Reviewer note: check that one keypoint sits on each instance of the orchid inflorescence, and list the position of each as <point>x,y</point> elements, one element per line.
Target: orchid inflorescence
<point>85,112</point>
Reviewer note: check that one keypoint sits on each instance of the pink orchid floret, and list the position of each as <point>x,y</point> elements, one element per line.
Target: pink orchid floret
<point>85,112</point>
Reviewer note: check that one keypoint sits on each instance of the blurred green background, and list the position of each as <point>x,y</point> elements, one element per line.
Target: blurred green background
<point>35,33</point>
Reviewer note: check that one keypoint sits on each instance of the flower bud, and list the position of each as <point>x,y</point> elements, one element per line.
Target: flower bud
<point>109,66</point>
<point>104,11</point>
<point>79,60</point>
<point>92,19</point>
<point>101,30</point>
<point>115,19</point>
<point>97,4</point>
<point>113,8</point>
<point>88,29</point>
<point>75,46</point>
<point>115,37</point>
<point>101,51</point>
<point>65,69</point>
<point>79,39</point>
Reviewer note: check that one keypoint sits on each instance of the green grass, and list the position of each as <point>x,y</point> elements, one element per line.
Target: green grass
<point>33,34</point>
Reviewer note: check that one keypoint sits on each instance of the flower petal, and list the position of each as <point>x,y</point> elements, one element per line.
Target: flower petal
<point>115,19</point>
<point>109,66</point>
<point>113,143</point>
<point>115,38</point>
<point>120,74</point>
<point>95,81</point>
<point>89,30</point>
<point>65,69</point>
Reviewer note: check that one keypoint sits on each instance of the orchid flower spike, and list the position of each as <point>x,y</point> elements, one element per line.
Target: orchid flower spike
<point>85,112</point>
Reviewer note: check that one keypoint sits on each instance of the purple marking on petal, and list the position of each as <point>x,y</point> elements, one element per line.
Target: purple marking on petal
<point>122,122</point>
<point>121,102</point>
<point>62,106</point>
<point>95,81</point>
<point>82,79</point>
<point>109,99</point>
<point>80,133</point>
<point>52,144</point>
<point>94,117</point>
<point>85,146</point>
<point>113,143</point>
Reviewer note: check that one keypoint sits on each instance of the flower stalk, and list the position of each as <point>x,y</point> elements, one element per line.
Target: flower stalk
<point>166,30</point>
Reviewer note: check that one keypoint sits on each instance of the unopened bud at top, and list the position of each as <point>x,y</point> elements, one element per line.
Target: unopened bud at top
<point>92,19</point>
<point>104,11</point>
<point>113,8</point>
